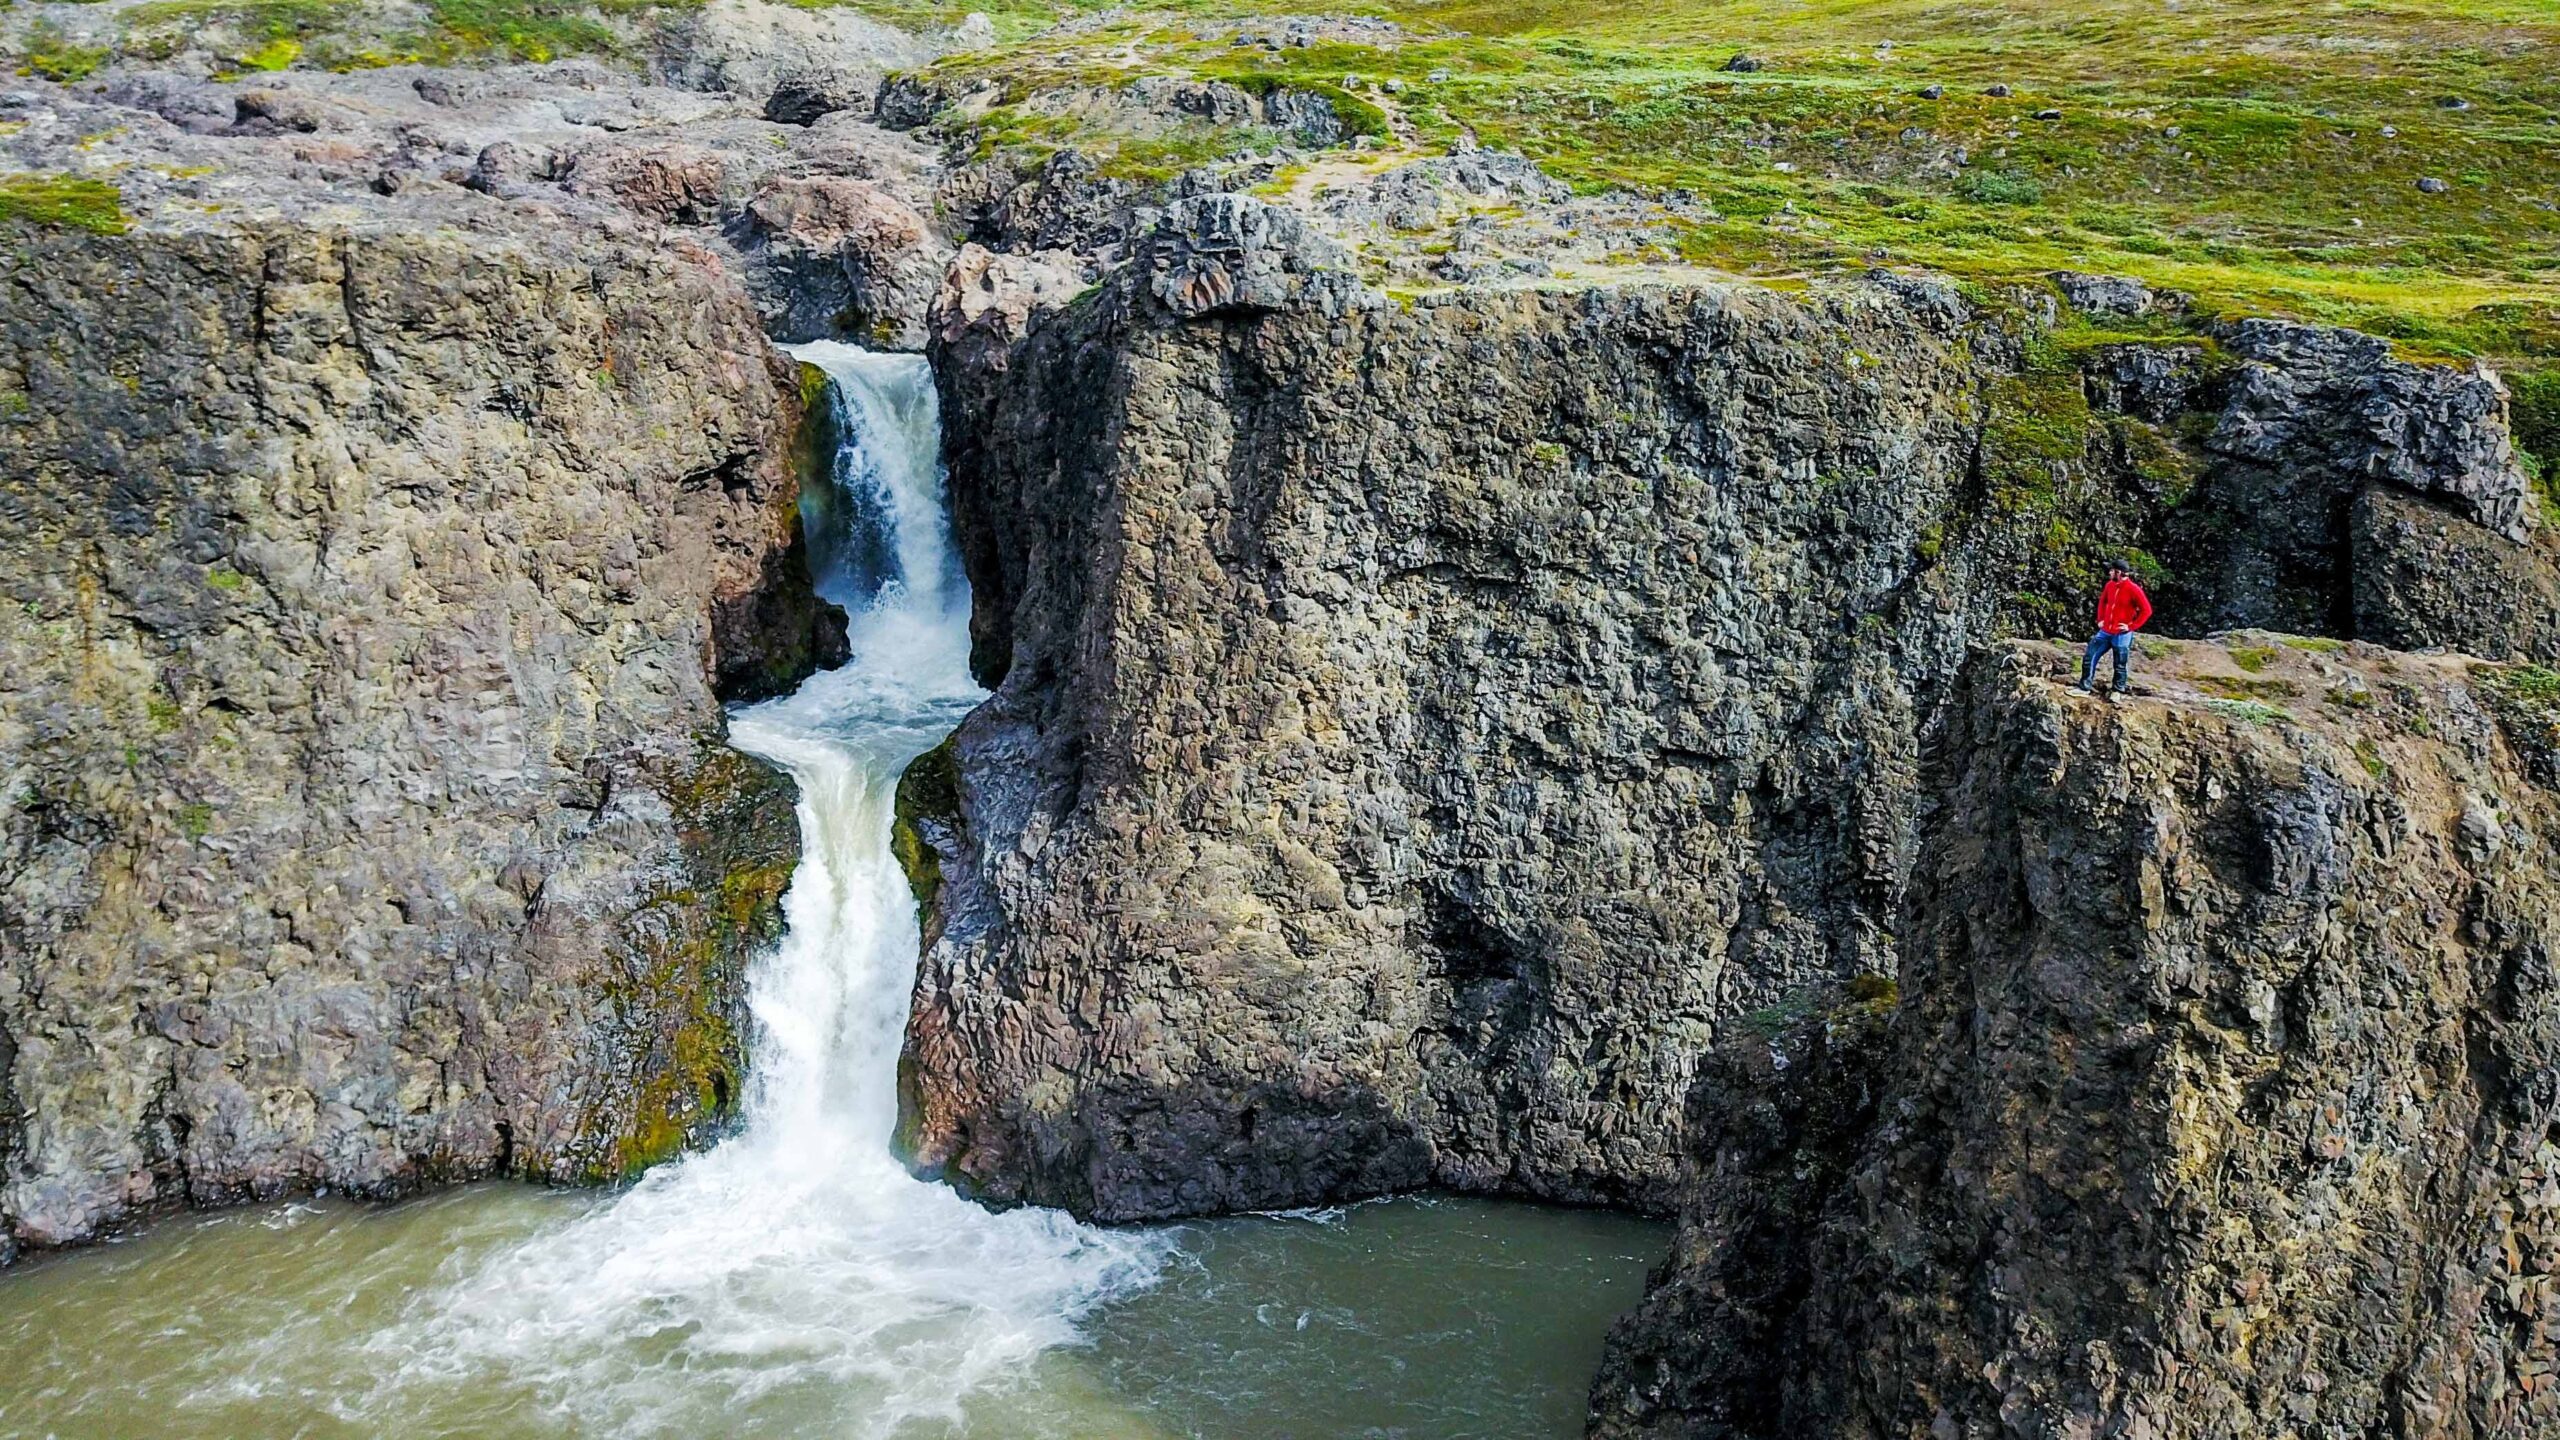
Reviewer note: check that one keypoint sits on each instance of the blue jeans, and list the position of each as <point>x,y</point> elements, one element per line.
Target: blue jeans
<point>2100,644</point>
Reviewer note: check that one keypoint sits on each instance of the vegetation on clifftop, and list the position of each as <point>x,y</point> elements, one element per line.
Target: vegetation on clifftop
<point>2393,166</point>
<point>63,200</point>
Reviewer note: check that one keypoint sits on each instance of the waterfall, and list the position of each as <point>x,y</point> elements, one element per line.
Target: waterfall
<point>797,1269</point>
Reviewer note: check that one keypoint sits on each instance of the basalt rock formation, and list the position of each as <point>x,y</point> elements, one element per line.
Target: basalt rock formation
<point>2219,1100</point>
<point>1423,725</point>
<point>368,591</point>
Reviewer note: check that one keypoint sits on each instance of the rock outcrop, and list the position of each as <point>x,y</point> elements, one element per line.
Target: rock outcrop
<point>2219,1099</point>
<point>368,591</point>
<point>1422,725</point>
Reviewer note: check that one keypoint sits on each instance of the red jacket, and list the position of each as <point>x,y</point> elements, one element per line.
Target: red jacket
<point>2122,607</point>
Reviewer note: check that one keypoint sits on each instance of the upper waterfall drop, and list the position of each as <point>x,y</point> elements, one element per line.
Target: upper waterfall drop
<point>797,1268</point>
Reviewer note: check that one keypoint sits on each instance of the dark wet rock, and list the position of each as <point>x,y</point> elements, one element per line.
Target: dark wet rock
<point>805,98</point>
<point>2156,384</point>
<point>907,102</point>
<point>2424,579</point>
<point>1463,771</point>
<point>2309,397</point>
<point>2218,1100</point>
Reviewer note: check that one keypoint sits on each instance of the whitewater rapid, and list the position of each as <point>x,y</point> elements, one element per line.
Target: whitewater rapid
<point>797,1266</point>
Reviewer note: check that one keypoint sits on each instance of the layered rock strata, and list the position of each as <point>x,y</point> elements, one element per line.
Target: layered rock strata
<point>1422,724</point>
<point>2219,1099</point>
<point>368,592</point>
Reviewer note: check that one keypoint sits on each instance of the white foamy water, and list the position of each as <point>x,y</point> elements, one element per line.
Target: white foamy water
<point>797,1270</point>
<point>795,1283</point>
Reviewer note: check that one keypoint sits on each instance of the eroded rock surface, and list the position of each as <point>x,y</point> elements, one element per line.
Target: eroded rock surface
<point>370,592</point>
<point>1419,727</point>
<point>2219,1099</point>
<point>1422,725</point>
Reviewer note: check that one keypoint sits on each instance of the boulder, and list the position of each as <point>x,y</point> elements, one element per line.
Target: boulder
<point>1232,253</point>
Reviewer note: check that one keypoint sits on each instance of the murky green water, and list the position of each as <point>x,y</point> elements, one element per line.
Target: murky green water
<point>1429,1319</point>
<point>794,1280</point>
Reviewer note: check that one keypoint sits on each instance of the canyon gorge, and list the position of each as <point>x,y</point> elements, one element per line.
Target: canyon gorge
<point>1444,693</point>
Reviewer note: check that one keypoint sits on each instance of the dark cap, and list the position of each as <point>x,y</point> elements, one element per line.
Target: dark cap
<point>2124,565</point>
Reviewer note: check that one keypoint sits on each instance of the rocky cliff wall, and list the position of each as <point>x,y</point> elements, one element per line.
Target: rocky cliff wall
<point>1422,724</point>
<point>367,592</point>
<point>2219,1100</point>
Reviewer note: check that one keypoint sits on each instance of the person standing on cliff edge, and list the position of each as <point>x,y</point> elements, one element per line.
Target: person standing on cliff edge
<point>2122,609</point>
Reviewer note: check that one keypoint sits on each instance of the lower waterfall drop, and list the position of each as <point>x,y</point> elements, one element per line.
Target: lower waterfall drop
<point>799,1255</point>
<point>795,1282</point>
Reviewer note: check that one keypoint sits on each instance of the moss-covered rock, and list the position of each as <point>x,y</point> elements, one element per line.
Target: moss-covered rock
<point>928,808</point>
<point>679,982</point>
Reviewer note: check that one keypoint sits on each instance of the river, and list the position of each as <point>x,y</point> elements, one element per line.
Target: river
<point>794,1279</point>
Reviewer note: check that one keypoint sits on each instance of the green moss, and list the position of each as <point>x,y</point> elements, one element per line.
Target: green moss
<point>2252,711</point>
<point>2247,689</point>
<point>928,794</point>
<point>2155,458</point>
<point>195,821</point>
<point>2528,685</point>
<point>1999,187</point>
<point>677,979</point>
<point>2314,644</point>
<point>51,54</point>
<point>2369,755</point>
<point>65,202</point>
<point>222,577</point>
<point>2252,658</point>
<point>277,54</point>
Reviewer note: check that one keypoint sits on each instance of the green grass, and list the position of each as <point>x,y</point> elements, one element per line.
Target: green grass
<point>64,201</point>
<point>2252,658</point>
<point>2228,148</point>
<point>254,35</point>
<point>2264,158</point>
<point>2535,413</point>
<point>2249,711</point>
<point>48,53</point>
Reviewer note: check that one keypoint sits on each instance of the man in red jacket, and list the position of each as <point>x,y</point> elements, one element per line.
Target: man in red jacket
<point>2122,609</point>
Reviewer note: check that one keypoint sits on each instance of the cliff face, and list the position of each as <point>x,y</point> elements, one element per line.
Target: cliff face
<point>1421,725</point>
<point>2219,1100</point>
<point>369,591</point>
